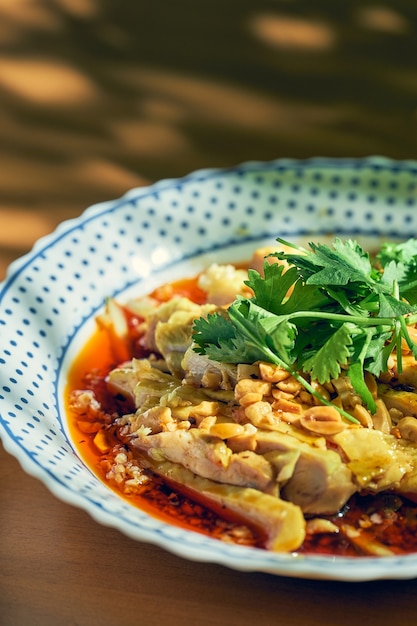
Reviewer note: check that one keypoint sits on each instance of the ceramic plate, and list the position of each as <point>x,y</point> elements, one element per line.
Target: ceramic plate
<point>126,247</point>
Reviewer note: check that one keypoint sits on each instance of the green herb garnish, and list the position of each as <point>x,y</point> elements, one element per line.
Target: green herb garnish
<point>343,311</point>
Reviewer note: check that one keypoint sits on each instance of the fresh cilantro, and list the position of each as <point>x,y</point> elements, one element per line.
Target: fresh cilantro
<point>402,259</point>
<point>331,307</point>
<point>325,363</point>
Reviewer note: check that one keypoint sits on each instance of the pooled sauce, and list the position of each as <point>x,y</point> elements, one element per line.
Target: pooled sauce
<point>385,519</point>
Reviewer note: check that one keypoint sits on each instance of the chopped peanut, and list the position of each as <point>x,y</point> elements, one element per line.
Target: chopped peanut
<point>245,441</point>
<point>281,395</point>
<point>363,416</point>
<point>247,385</point>
<point>208,422</point>
<point>247,371</point>
<point>287,406</point>
<point>260,414</point>
<point>250,398</point>
<point>226,430</point>
<point>290,385</point>
<point>272,373</point>
<point>321,390</point>
<point>323,420</point>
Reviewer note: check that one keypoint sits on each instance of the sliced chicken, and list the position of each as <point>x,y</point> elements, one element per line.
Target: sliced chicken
<point>320,482</point>
<point>281,522</point>
<point>201,371</point>
<point>209,457</point>
<point>377,461</point>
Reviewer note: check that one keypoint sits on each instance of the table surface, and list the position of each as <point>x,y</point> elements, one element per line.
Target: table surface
<point>97,97</point>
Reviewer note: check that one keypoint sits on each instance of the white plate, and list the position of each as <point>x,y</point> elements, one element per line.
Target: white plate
<point>50,297</point>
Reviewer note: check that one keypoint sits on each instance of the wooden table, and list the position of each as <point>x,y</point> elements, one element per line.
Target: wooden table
<point>99,97</point>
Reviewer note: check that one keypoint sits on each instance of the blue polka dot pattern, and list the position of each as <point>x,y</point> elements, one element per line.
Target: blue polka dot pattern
<point>50,296</point>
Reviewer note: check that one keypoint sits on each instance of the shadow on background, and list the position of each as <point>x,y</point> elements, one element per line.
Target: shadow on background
<point>98,96</point>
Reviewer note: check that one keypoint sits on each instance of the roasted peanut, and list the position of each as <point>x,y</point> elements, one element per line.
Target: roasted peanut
<point>363,416</point>
<point>208,422</point>
<point>245,441</point>
<point>260,414</point>
<point>248,391</point>
<point>250,398</point>
<point>290,385</point>
<point>226,430</point>
<point>272,373</point>
<point>290,406</point>
<point>321,390</point>
<point>323,420</point>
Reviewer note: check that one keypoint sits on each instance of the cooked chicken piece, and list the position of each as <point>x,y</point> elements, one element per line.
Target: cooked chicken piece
<point>173,337</point>
<point>168,330</point>
<point>284,463</point>
<point>404,401</point>
<point>123,380</point>
<point>201,371</point>
<point>320,482</point>
<point>162,313</point>
<point>146,385</point>
<point>209,457</point>
<point>378,461</point>
<point>346,392</point>
<point>282,522</point>
<point>251,470</point>
<point>156,419</point>
<point>406,449</point>
<point>151,384</point>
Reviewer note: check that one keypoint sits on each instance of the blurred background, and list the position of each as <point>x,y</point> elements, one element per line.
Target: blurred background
<point>97,96</point>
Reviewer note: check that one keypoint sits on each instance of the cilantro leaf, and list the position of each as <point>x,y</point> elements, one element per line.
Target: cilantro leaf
<point>271,289</point>
<point>346,263</point>
<point>391,307</point>
<point>378,352</point>
<point>212,331</point>
<point>282,292</point>
<point>325,363</point>
<point>404,257</point>
<point>216,337</point>
<point>405,252</point>
<point>331,308</point>
<point>271,331</point>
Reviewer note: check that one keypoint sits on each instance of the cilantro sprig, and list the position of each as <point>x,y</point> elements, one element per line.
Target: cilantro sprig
<point>331,309</point>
